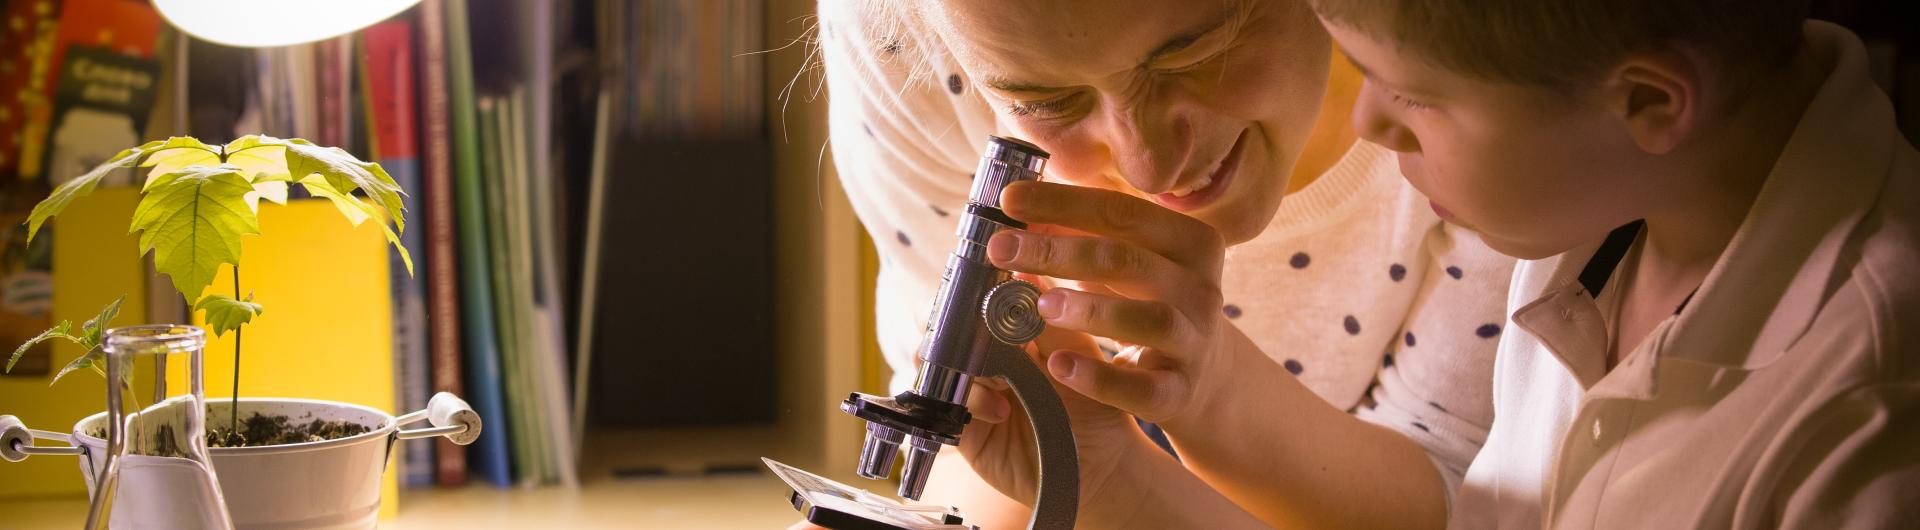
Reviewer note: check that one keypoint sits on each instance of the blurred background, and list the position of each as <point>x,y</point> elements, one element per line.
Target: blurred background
<point>631,254</point>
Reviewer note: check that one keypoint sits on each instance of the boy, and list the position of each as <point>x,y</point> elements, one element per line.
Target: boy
<point>1718,325</point>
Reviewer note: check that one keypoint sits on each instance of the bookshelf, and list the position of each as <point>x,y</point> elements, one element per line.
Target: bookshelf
<point>501,100</point>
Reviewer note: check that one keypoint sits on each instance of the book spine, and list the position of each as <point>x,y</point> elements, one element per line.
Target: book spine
<point>482,369</point>
<point>443,288</point>
<point>389,74</point>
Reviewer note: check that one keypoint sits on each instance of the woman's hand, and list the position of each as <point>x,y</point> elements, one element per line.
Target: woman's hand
<point>999,444</point>
<point>1149,277</point>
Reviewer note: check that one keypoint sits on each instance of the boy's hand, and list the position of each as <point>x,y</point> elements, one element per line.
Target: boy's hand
<point>1152,280</point>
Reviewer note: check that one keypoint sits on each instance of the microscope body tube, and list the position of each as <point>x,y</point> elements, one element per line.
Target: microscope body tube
<point>980,316</point>
<point>957,336</point>
<point>967,322</point>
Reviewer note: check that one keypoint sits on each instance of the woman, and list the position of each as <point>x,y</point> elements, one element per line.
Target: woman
<point>1274,365</point>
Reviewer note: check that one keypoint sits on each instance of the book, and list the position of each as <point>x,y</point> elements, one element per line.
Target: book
<point>511,203</point>
<point>330,88</point>
<point>86,279</point>
<point>488,456</point>
<point>22,88</point>
<point>443,282</point>
<point>64,125</point>
<point>546,244</point>
<point>389,73</point>
<point>590,264</point>
<point>494,183</point>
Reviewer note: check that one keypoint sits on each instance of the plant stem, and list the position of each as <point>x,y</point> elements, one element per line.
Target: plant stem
<point>139,421</point>
<point>234,410</point>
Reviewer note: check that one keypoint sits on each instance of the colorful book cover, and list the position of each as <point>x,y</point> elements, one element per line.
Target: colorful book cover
<point>26,46</point>
<point>102,92</point>
<point>389,73</point>
<point>488,455</point>
<point>53,130</point>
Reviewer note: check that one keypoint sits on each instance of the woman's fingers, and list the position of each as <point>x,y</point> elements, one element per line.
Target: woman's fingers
<point>987,403</point>
<point>1149,323</point>
<point>1149,394</point>
<point>1127,269</point>
<point>1117,215</point>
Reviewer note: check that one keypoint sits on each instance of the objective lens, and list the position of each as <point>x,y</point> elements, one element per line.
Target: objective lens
<point>913,478</point>
<point>877,454</point>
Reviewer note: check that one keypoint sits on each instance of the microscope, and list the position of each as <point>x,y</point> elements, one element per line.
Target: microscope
<point>981,319</point>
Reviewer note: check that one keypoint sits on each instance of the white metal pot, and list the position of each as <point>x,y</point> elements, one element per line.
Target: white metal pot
<point>331,484</point>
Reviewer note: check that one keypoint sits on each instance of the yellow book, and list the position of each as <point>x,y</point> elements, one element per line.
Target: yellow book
<point>94,261</point>
<point>326,331</point>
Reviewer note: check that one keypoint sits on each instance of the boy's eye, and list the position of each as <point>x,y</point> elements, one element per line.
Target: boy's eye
<point>1410,103</point>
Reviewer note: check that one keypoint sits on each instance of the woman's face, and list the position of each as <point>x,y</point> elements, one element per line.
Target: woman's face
<point>1201,106</point>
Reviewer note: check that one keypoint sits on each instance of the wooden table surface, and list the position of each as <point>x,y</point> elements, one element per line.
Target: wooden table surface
<point>730,502</point>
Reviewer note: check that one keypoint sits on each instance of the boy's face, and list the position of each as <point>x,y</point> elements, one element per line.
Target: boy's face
<point>1535,171</point>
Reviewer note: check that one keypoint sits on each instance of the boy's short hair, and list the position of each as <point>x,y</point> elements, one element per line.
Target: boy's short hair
<point>1569,42</point>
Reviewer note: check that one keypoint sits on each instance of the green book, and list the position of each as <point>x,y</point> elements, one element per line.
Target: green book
<point>484,386</point>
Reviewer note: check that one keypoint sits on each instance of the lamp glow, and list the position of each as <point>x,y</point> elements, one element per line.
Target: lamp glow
<point>266,23</point>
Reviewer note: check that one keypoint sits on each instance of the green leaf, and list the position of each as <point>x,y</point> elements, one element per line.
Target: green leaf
<point>192,220</point>
<point>58,331</point>
<point>178,152</point>
<point>353,208</point>
<point>167,152</point>
<point>357,211</point>
<point>81,186</point>
<point>260,158</point>
<point>91,360</point>
<point>94,331</point>
<point>226,314</point>
<point>344,174</point>
<point>271,190</point>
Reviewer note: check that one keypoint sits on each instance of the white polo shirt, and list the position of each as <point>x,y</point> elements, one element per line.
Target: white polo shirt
<point>1785,393</point>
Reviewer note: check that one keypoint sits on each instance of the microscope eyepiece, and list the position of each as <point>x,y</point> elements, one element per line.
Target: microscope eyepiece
<point>1005,162</point>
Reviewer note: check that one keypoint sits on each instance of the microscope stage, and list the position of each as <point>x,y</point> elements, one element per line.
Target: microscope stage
<point>842,507</point>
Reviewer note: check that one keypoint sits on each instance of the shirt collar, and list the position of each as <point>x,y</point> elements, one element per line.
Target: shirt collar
<point>1773,277</point>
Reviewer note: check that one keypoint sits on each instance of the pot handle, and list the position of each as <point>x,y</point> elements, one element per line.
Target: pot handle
<point>451,417</point>
<point>16,441</point>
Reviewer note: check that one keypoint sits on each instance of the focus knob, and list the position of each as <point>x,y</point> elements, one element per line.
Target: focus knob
<point>1012,312</point>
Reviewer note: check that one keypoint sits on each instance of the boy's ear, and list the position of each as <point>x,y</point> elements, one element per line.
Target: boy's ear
<point>1657,97</point>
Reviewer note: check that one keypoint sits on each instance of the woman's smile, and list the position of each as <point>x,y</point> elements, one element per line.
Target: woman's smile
<point>1209,186</point>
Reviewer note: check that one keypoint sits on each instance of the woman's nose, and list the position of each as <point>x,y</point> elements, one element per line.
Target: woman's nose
<point>1151,143</point>
<point>1380,125</point>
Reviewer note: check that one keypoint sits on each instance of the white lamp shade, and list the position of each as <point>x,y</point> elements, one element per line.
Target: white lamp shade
<point>263,23</point>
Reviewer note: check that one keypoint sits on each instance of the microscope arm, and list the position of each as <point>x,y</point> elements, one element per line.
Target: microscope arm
<point>1058,498</point>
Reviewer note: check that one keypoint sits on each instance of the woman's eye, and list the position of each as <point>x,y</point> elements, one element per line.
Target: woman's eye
<point>1039,109</point>
<point>1195,65</point>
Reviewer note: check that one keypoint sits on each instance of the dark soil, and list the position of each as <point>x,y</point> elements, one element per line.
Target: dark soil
<point>256,430</point>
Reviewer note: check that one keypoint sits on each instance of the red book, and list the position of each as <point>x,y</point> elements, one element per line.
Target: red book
<point>443,286</point>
